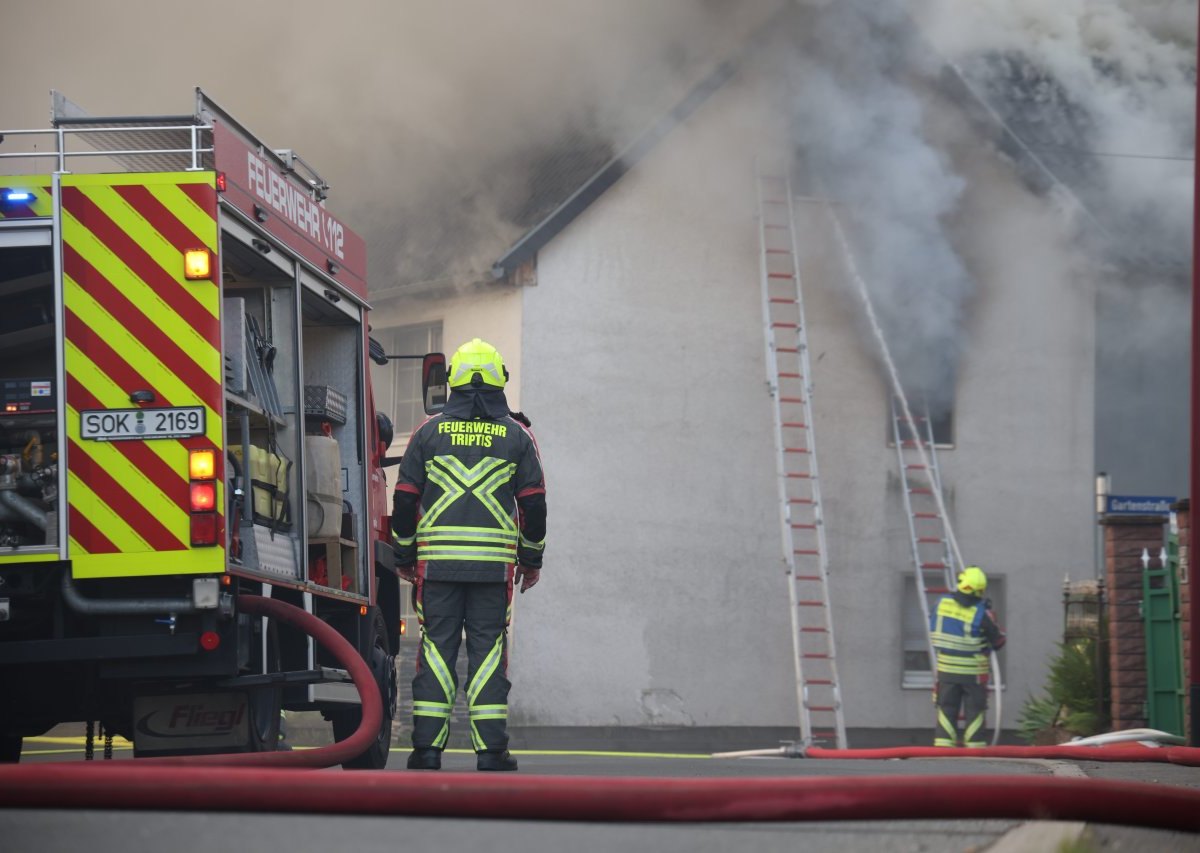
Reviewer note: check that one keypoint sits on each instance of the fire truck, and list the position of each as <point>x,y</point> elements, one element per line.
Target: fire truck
<point>186,420</point>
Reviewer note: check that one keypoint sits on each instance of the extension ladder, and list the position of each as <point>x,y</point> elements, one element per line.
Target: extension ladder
<point>936,555</point>
<point>789,381</point>
<point>928,530</point>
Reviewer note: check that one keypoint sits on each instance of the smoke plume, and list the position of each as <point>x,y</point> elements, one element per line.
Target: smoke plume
<point>441,126</point>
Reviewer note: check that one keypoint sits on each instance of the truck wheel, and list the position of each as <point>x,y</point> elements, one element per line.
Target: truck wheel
<point>345,722</point>
<point>10,749</point>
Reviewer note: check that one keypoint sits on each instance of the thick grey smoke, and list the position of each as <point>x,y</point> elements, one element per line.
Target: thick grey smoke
<point>1102,92</point>
<point>860,129</point>
<point>1101,96</point>
<point>439,125</point>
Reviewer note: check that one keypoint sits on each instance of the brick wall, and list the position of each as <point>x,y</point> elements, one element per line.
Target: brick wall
<point>1125,537</point>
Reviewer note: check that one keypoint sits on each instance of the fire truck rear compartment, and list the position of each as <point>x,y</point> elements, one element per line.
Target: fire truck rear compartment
<point>292,421</point>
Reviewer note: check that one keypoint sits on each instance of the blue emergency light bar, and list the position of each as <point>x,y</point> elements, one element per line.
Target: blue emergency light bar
<point>18,196</point>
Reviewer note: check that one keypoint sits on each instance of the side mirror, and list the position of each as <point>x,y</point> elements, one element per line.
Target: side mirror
<point>434,387</point>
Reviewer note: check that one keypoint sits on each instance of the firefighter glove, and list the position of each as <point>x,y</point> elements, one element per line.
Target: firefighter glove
<point>527,576</point>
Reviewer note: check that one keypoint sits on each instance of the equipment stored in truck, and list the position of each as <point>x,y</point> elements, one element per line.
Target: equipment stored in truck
<point>186,420</point>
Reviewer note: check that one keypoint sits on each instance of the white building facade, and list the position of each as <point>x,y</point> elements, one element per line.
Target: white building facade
<point>636,347</point>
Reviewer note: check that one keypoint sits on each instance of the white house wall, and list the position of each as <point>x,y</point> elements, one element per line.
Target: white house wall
<point>663,600</point>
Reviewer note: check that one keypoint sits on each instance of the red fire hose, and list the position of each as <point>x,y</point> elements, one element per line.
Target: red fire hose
<point>138,785</point>
<point>264,782</point>
<point>348,656</point>
<point>1132,752</point>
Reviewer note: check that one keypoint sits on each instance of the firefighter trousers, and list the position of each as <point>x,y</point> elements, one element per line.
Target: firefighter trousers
<point>971,697</point>
<point>446,610</point>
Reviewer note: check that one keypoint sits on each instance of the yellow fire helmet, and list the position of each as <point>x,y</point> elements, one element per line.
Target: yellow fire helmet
<point>477,358</point>
<point>972,581</point>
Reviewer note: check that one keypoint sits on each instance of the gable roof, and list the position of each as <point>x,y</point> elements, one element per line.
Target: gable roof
<point>610,172</point>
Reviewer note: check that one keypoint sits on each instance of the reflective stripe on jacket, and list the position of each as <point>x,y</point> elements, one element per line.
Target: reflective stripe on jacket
<point>469,474</point>
<point>957,638</point>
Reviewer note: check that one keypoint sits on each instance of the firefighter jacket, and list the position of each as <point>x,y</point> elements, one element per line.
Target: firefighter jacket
<point>475,490</point>
<point>963,631</point>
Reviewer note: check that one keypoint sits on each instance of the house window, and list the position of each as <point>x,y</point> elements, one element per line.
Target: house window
<point>915,667</point>
<point>941,423</point>
<point>398,385</point>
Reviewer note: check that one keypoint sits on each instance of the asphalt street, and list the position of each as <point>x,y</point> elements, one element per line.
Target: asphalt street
<point>184,832</point>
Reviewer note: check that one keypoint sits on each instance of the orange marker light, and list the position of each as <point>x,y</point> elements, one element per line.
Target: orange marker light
<point>362,611</point>
<point>197,264</point>
<point>202,464</point>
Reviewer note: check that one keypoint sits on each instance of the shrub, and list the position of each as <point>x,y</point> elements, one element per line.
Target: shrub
<point>1072,704</point>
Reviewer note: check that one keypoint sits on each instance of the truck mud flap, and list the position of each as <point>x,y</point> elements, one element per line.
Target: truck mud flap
<point>192,723</point>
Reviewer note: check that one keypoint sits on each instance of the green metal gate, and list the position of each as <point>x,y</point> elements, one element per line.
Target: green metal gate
<point>1164,657</point>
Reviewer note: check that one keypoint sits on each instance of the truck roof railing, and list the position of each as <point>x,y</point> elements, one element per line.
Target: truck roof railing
<point>154,144</point>
<point>170,143</point>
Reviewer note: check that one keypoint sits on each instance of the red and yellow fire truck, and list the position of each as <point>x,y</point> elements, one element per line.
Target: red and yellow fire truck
<point>186,418</point>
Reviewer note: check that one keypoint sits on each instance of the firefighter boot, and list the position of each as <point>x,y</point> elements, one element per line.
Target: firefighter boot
<point>498,759</point>
<point>425,758</point>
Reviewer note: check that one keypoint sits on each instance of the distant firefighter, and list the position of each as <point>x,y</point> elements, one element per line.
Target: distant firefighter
<point>963,630</point>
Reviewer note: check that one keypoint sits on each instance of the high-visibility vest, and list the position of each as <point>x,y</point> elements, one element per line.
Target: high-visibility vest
<point>957,639</point>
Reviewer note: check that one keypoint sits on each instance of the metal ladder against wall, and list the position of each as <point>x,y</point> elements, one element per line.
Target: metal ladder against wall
<point>805,552</point>
<point>928,532</point>
<point>922,482</point>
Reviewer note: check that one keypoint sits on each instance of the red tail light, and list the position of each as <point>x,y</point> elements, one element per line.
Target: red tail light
<point>204,528</point>
<point>204,496</point>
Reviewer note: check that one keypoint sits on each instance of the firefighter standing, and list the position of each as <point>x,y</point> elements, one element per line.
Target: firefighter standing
<point>469,518</point>
<point>963,630</point>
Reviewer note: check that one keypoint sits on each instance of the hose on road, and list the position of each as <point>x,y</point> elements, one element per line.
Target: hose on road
<point>145,786</point>
<point>347,656</point>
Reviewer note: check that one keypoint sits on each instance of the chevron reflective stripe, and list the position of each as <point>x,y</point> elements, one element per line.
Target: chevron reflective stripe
<point>40,206</point>
<point>433,658</point>
<point>481,480</point>
<point>973,728</point>
<point>403,542</point>
<point>945,724</point>
<point>431,709</point>
<point>486,670</point>
<point>436,541</point>
<point>131,321</point>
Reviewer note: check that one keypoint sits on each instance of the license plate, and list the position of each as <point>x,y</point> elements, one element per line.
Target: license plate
<point>127,424</point>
